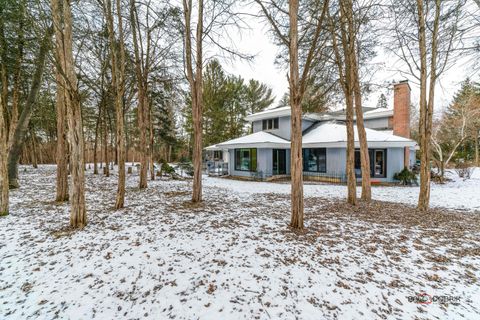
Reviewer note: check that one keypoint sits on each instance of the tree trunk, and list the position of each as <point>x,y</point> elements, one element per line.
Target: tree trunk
<point>355,78</point>
<point>362,136</point>
<point>152,140</point>
<point>196,92</point>
<point>78,216</point>
<point>106,169</point>
<point>142,96</point>
<point>426,108</point>
<point>60,106</point>
<point>476,133</point>
<point>296,165</point>
<point>34,150</point>
<point>118,73</point>
<point>351,178</point>
<point>95,142</point>
<point>4,73</point>
<point>24,120</point>
<point>3,165</point>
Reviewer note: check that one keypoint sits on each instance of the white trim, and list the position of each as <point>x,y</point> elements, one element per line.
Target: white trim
<point>267,114</point>
<point>259,145</point>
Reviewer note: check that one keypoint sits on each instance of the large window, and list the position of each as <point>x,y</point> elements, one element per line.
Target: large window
<point>269,124</point>
<point>378,163</point>
<point>315,160</point>
<point>246,159</point>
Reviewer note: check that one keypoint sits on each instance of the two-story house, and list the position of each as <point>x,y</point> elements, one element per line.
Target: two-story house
<point>266,152</point>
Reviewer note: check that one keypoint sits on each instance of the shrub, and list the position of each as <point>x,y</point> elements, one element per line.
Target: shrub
<point>167,169</point>
<point>406,177</point>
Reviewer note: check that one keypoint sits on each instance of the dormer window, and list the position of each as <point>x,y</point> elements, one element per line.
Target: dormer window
<point>269,124</point>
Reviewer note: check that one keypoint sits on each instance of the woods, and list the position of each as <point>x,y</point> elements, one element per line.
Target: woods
<point>145,83</point>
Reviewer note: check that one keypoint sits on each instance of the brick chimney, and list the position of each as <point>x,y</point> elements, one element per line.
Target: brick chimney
<point>401,109</point>
<point>401,114</point>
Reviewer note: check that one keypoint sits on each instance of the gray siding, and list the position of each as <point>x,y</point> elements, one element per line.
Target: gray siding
<point>284,129</point>
<point>395,158</point>
<point>257,126</point>
<point>379,123</point>
<point>336,163</point>
<point>264,161</point>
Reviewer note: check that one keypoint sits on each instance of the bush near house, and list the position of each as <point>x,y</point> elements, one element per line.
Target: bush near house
<point>406,177</point>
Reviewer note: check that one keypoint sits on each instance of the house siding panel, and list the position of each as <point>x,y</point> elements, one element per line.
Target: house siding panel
<point>379,123</point>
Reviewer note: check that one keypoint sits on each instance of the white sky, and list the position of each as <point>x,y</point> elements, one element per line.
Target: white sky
<point>258,41</point>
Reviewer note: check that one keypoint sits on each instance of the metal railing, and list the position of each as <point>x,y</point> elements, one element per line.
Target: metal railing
<point>216,168</point>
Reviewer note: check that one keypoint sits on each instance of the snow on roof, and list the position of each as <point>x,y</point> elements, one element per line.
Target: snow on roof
<point>213,147</point>
<point>275,112</point>
<point>259,139</point>
<point>368,113</point>
<point>333,134</point>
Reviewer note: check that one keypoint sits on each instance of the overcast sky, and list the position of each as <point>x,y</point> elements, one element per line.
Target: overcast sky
<point>258,41</point>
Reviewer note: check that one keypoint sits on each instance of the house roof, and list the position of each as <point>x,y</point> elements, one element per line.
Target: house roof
<point>323,134</point>
<point>368,113</point>
<point>259,139</point>
<point>275,112</point>
<point>334,134</point>
<point>213,147</point>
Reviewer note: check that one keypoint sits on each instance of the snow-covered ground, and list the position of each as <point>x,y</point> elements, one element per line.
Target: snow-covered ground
<point>233,256</point>
<point>456,194</point>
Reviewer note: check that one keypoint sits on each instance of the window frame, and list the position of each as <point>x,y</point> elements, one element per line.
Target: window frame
<point>270,124</point>
<point>318,161</point>
<point>252,166</point>
<point>371,154</point>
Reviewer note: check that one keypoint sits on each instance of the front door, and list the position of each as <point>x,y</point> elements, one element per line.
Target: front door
<point>279,161</point>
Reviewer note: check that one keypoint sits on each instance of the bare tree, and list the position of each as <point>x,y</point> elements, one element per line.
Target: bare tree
<point>345,25</point>
<point>117,57</point>
<point>427,36</point>
<point>142,72</point>
<point>61,110</point>
<point>62,17</point>
<point>194,76</point>
<point>298,77</point>
<point>3,165</point>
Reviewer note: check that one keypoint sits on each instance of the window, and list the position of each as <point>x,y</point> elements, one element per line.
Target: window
<point>378,163</point>
<point>315,160</point>
<point>217,154</point>
<point>246,159</point>
<point>269,124</point>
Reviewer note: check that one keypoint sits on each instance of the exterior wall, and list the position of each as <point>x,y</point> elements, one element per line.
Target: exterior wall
<point>378,123</point>
<point>283,130</point>
<point>264,163</point>
<point>257,126</point>
<point>284,127</point>
<point>395,162</point>
<point>336,163</point>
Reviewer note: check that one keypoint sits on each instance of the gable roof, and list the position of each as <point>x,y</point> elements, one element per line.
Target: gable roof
<point>260,139</point>
<point>334,134</point>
